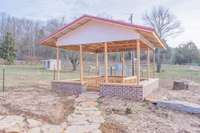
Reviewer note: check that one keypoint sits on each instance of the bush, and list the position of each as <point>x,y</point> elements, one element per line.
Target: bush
<point>128,111</point>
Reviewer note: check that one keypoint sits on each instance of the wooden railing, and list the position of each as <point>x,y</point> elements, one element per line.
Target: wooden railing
<point>93,82</point>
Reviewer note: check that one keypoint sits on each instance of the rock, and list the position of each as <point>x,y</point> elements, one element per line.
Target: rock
<point>121,119</point>
<point>51,129</point>
<point>83,129</point>
<point>183,131</point>
<point>33,123</point>
<point>180,106</point>
<point>57,114</point>
<point>34,130</point>
<point>12,124</point>
<point>180,85</point>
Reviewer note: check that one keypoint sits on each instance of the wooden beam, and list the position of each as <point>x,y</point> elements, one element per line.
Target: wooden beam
<point>106,61</point>
<point>81,64</point>
<point>148,63</point>
<point>132,61</point>
<point>154,63</point>
<point>145,41</point>
<point>58,62</point>
<point>123,64</point>
<point>138,62</point>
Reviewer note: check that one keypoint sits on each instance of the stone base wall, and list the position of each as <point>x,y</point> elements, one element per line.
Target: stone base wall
<point>150,86</point>
<point>124,91</point>
<point>133,92</point>
<point>73,88</point>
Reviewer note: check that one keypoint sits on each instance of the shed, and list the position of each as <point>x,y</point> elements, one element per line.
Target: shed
<point>50,64</point>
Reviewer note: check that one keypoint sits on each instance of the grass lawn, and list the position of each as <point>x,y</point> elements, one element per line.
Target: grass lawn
<point>30,75</point>
<point>180,72</point>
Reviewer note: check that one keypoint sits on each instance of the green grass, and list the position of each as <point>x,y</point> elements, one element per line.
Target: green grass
<point>179,72</point>
<point>31,75</point>
<point>28,75</point>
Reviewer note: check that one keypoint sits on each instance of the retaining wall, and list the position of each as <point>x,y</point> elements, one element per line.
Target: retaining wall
<point>70,87</point>
<point>128,91</point>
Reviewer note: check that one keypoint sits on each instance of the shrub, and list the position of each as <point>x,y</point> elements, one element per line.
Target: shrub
<point>128,111</point>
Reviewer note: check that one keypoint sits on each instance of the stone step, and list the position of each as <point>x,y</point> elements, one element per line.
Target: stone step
<point>86,109</point>
<point>86,117</point>
<point>87,112</point>
<point>83,129</point>
<point>90,119</point>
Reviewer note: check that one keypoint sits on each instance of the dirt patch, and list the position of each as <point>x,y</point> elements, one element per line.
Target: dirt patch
<point>165,91</point>
<point>37,102</point>
<point>146,118</point>
<point>111,127</point>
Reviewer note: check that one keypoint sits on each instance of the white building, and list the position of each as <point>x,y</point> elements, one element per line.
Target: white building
<point>51,64</point>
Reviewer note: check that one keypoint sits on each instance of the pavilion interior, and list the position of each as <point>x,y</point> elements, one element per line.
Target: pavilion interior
<point>140,67</point>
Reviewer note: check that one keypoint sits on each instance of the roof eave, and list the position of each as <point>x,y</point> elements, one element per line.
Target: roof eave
<point>147,29</point>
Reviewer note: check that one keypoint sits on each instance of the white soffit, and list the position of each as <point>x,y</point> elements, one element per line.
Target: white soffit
<point>97,32</point>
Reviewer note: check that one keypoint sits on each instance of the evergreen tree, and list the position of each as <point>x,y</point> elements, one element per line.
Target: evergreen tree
<point>7,48</point>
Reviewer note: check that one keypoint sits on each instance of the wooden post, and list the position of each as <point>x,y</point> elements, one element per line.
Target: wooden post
<point>3,84</point>
<point>154,63</point>
<point>123,63</point>
<point>58,62</point>
<point>132,62</point>
<point>106,61</point>
<point>148,63</point>
<point>81,64</point>
<point>97,64</point>
<point>138,62</point>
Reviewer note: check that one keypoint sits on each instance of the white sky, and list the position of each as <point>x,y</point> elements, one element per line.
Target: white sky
<point>187,11</point>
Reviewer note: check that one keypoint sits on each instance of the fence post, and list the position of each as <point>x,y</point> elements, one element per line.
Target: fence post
<point>3,80</point>
<point>54,73</point>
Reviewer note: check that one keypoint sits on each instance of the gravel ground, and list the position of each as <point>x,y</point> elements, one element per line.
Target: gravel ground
<point>124,116</point>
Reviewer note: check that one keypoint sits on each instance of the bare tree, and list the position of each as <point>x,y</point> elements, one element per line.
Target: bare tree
<point>165,24</point>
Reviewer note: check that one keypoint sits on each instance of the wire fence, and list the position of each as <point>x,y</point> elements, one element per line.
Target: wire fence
<point>16,76</point>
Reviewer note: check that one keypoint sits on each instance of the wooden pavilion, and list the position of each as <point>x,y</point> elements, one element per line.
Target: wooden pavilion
<point>99,35</point>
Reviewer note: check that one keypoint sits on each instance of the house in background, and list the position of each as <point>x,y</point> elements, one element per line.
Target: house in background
<point>51,64</point>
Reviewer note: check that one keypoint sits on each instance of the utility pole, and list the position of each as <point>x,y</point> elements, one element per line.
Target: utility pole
<point>131,18</point>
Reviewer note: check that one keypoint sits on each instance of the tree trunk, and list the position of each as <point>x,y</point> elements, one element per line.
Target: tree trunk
<point>74,66</point>
<point>180,85</point>
<point>158,67</point>
<point>158,62</point>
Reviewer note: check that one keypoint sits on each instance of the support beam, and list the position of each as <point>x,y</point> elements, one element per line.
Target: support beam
<point>81,64</point>
<point>58,62</point>
<point>148,63</point>
<point>145,41</point>
<point>133,62</point>
<point>97,64</point>
<point>123,65</point>
<point>138,62</point>
<point>106,61</point>
<point>154,63</point>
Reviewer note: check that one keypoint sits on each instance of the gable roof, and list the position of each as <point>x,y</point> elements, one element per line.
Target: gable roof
<point>147,32</point>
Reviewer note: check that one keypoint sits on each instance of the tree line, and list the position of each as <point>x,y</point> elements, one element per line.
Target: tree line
<point>26,34</point>
<point>19,39</point>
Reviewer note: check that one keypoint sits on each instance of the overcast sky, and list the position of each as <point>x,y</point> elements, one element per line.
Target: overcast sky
<point>187,11</point>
